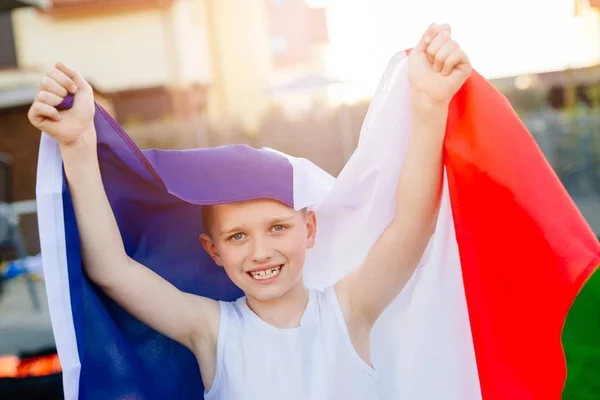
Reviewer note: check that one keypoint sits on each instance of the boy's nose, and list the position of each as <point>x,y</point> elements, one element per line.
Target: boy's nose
<point>261,251</point>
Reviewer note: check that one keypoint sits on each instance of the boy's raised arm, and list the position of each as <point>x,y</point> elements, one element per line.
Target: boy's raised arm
<point>146,295</point>
<point>437,69</point>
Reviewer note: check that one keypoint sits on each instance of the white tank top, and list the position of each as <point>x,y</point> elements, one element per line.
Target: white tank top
<point>316,361</point>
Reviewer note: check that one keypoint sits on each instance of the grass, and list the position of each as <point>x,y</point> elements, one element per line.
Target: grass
<point>581,341</point>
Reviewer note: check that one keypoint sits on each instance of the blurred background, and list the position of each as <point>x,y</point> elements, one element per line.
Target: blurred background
<point>295,75</point>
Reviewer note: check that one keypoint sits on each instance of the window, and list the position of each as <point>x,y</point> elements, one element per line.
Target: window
<point>8,53</point>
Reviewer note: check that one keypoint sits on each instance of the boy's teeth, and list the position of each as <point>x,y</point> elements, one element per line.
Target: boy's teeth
<point>265,274</point>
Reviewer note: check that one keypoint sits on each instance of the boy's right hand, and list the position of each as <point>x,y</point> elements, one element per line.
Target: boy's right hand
<point>68,127</point>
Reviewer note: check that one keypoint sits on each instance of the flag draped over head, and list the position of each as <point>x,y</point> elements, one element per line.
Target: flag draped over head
<point>480,318</point>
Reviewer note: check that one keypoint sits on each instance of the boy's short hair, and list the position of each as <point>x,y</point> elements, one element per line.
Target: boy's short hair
<point>207,219</point>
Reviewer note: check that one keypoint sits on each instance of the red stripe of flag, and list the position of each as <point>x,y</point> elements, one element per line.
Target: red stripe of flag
<point>525,249</point>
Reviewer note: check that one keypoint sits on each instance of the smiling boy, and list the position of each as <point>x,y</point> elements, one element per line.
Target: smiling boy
<point>281,339</point>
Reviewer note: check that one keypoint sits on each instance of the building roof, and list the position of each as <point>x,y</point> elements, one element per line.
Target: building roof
<point>18,87</point>
<point>69,7</point>
<point>17,96</point>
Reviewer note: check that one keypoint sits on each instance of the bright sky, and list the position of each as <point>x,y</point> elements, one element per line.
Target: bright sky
<point>501,37</point>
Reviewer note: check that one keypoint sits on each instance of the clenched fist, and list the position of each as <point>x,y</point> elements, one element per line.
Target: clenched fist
<point>67,127</point>
<point>437,66</point>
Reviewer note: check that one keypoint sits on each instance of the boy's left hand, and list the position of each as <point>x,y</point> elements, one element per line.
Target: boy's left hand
<point>437,66</point>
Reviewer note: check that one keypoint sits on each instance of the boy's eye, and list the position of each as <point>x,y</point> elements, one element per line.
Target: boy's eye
<point>237,236</point>
<point>278,228</point>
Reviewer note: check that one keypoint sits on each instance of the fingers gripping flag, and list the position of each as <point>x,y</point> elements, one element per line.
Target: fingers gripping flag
<point>481,318</point>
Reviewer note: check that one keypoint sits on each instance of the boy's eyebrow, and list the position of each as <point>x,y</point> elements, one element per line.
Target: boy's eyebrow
<point>231,230</point>
<point>272,221</point>
<point>279,220</point>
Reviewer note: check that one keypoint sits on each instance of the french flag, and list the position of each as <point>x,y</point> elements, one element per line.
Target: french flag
<point>481,318</point>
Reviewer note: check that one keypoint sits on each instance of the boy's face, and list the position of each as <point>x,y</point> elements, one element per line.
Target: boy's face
<point>260,243</point>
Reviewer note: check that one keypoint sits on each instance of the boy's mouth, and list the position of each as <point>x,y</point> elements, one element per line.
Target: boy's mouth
<point>267,273</point>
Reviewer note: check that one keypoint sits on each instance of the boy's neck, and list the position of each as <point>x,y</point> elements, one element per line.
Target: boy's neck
<point>286,311</point>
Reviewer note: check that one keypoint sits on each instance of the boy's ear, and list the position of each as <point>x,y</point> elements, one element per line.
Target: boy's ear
<point>210,248</point>
<point>311,229</point>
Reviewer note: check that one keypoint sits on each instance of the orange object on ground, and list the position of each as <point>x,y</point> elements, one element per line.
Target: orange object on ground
<point>13,367</point>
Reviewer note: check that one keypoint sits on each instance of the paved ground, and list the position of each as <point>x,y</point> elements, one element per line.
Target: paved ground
<point>21,327</point>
